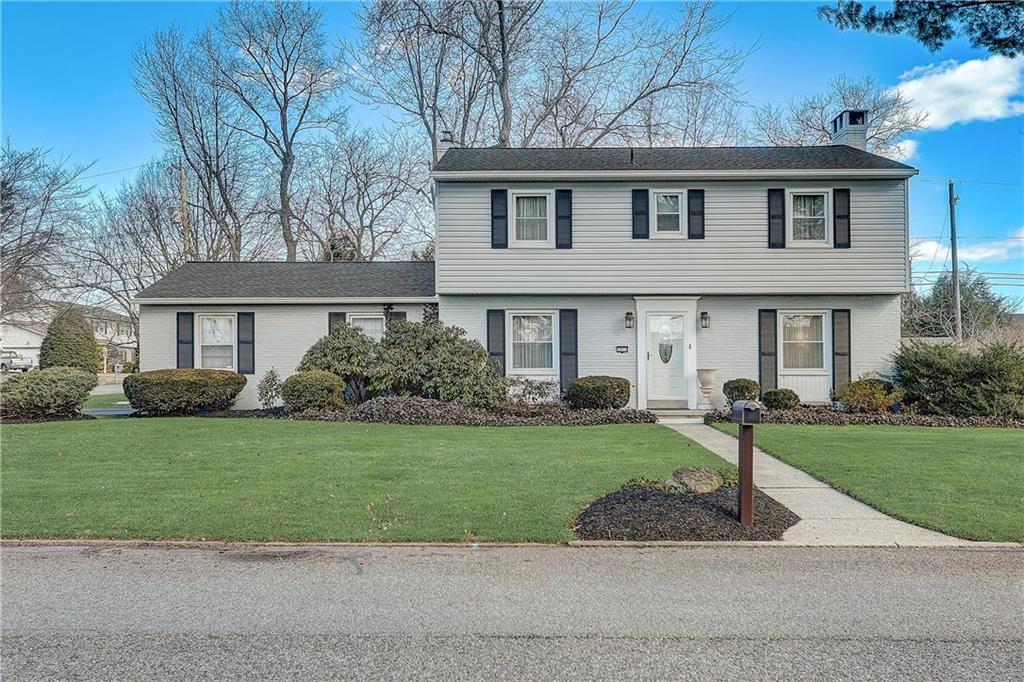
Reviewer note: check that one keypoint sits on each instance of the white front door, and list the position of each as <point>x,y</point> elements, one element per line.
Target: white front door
<point>666,355</point>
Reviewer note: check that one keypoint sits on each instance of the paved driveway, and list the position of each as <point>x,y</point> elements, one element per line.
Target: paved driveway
<point>522,612</point>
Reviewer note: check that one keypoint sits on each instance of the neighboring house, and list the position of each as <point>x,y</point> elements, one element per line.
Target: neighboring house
<point>113,331</point>
<point>784,265</point>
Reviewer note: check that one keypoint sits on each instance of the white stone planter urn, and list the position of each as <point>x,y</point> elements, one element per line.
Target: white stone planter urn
<point>706,378</point>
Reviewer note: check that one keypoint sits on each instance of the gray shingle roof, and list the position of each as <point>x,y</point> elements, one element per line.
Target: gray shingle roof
<point>377,280</point>
<point>664,159</point>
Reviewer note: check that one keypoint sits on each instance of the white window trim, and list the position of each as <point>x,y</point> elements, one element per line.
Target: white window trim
<point>535,371</point>
<point>653,214</point>
<point>350,317</point>
<point>197,339</point>
<point>809,243</point>
<point>531,243</point>
<point>826,343</point>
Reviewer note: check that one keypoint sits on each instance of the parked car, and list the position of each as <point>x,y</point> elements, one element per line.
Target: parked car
<point>10,361</point>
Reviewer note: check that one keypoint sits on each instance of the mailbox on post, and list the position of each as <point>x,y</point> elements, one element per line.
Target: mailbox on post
<point>746,413</point>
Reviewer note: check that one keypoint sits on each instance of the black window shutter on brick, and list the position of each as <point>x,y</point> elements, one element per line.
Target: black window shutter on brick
<point>563,219</point>
<point>695,213</point>
<point>499,218</point>
<point>567,341</point>
<point>841,218</point>
<point>840,349</point>
<point>185,332</point>
<point>496,338</point>
<point>247,343</point>
<point>767,360</point>
<point>334,319</point>
<point>776,219</point>
<point>641,209</point>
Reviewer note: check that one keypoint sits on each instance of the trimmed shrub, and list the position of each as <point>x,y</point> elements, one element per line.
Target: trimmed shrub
<point>314,389</point>
<point>347,353</point>
<point>269,389</point>
<point>51,393</point>
<point>598,393</point>
<point>949,380</point>
<point>182,391</point>
<point>869,395</point>
<point>425,412</point>
<point>70,342</point>
<point>781,399</point>
<point>741,389</point>
<point>433,360</point>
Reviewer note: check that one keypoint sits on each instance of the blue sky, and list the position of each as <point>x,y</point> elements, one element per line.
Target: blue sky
<point>66,85</point>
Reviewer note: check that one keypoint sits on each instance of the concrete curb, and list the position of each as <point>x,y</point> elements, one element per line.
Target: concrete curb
<point>221,545</point>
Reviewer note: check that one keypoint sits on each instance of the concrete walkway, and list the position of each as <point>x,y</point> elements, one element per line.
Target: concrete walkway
<point>828,517</point>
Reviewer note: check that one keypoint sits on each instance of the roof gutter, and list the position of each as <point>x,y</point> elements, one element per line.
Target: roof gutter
<point>871,173</point>
<point>265,300</point>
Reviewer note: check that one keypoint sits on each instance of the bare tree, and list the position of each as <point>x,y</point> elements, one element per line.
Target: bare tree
<point>40,201</point>
<point>272,58</point>
<point>431,79</point>
<point>200,118</point>
<point>807,121</point>
<point>362,198</point>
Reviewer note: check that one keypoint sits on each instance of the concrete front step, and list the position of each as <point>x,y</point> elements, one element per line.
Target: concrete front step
<point>669,416</point>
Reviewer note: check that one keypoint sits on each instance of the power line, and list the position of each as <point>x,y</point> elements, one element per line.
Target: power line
<point>119,170</point>
<point>972,182</point>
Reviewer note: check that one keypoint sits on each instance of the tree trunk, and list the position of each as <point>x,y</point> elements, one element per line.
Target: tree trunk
<point>290,242</point>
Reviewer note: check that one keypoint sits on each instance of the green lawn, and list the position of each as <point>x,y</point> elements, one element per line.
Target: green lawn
<point>257,479</point>
<point>107,400</point>
<point>963,482</point>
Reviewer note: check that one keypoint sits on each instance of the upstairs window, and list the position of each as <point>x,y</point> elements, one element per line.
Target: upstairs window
<point>808,217</point>
<point>531,215</point>
<point>668,213</point>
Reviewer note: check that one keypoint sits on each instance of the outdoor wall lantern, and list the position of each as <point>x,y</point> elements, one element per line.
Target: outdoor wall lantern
<point>630,320</point>
<point>705,320</point>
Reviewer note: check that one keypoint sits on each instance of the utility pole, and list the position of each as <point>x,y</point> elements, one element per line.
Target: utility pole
<point>186,233</point>
<point>958,322</point>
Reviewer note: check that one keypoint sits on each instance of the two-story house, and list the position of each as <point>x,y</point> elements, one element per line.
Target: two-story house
<point>783,265</point>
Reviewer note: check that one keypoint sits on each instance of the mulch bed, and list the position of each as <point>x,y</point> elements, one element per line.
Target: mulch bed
<point>828,416</point>
<point>637,514</point>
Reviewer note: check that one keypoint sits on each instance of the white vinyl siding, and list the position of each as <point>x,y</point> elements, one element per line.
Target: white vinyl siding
<point>733,258</point>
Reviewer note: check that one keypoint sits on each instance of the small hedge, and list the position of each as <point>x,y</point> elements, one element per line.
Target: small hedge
<point>70,342</point>
<point>314,389</point>
<point>741,389</point>
<point>426,412</point>
<point>345,352</point>
<point>829,416</point>
<point>869,395</point>
<point>598,393</point>
<point>52,393</point>
<point>781,399</point>
<point>182,391</point>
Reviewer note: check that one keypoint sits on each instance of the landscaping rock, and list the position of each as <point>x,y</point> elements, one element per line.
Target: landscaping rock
<point>696,480</point>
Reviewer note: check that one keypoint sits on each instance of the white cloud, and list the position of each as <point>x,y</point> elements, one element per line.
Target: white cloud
<point>976,90</point>
<point>1002,251</point>
<point>905,150</point>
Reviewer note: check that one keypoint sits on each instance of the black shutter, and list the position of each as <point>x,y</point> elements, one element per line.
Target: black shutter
<point>841,218</point>
<point>641,220</point>
<point>496,338</point>
<point>563,218</point>
<point>499,218</point>
<point>246,343</point>
<point>186,334</point>
<point>695,213</point>
<point>396,315</point>
<point>767,343</point>
<point>568,367</point>
<point>840,349</point>
<point>334,319</point>
<point>776,219</point>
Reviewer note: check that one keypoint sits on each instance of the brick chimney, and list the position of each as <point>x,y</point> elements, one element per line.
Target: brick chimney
<point>851,128</point>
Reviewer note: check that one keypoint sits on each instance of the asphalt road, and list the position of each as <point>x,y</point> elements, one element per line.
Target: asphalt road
<point>513,613</point>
